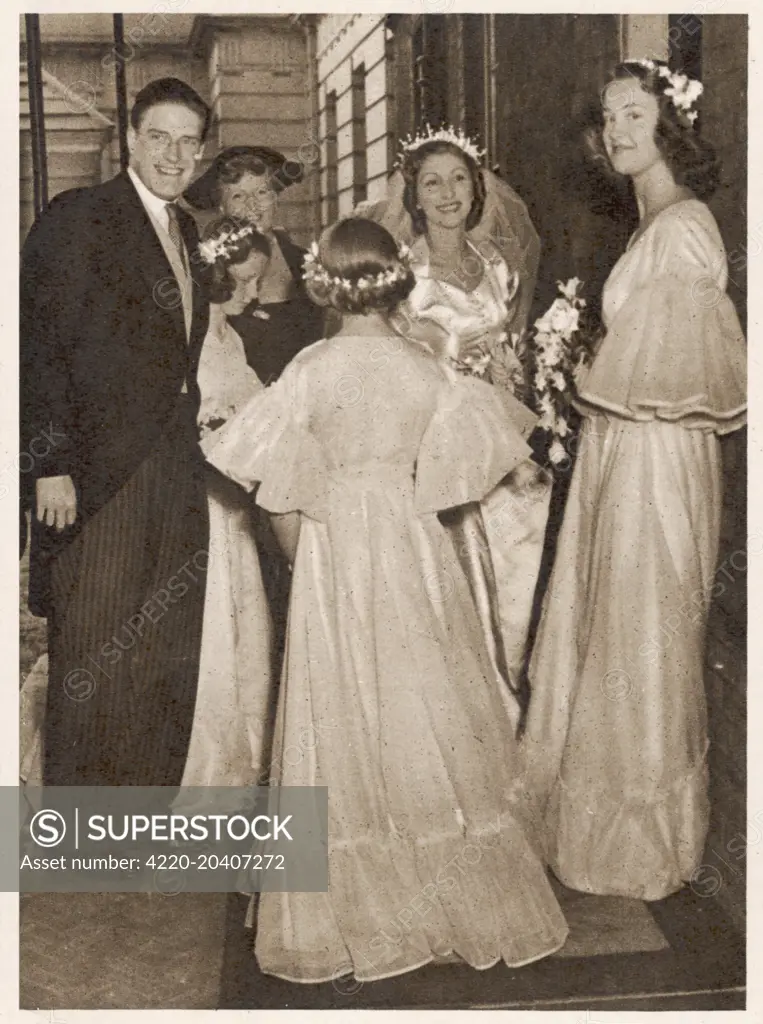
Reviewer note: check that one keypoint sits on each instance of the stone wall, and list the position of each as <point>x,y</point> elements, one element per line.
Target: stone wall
<point>355,102</point>
<point>260,87</point>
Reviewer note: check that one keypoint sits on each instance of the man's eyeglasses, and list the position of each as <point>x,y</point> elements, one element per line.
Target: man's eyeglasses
<point>189,145</point>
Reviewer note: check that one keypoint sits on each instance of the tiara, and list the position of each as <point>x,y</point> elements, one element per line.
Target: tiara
<point>224,243</point>
<point>315,272</point>
<point>449,134</point>
<point>683,91</point>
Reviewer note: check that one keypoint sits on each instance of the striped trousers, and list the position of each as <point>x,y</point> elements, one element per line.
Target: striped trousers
<point>124,639</point>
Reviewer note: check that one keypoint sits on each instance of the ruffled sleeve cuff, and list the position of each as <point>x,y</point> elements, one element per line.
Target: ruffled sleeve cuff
<point>674,351</point>
<point>265,444</point>
<point>475,439</point>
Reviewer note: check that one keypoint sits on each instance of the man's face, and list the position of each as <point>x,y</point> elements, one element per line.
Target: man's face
<point>165,147</point>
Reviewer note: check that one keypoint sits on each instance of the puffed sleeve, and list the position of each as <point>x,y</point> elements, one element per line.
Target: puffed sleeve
<point>269,443</point>
<point>674,350</point>
<point>475,438</point>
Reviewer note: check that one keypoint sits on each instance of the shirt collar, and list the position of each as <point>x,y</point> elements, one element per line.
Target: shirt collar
<point>156,206</point>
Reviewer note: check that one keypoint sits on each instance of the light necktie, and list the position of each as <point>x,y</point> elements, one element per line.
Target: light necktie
<point>174,232</point>
<point>177,241</point>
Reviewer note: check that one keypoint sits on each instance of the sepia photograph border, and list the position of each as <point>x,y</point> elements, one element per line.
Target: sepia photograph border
<point>10,18</point>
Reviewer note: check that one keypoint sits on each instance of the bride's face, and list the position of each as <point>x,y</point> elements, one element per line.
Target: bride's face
<point>444,190</point>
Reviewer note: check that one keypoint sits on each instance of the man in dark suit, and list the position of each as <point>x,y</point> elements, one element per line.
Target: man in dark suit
<point>112,325</point>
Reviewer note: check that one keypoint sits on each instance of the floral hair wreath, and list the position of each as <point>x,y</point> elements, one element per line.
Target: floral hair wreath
<point>683,91</point>
<point>447,134</point>
<point>315,272</point>
<point>220,247</point>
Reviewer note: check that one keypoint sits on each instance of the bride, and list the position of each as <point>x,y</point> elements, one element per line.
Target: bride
<point>229,743</point>
<point>475,253</point>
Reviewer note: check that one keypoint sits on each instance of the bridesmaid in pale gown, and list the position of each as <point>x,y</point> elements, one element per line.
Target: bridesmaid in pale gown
<point>235,700</point>
<point>616,738</point>
<point>475,253</point>
<point>356,448</point>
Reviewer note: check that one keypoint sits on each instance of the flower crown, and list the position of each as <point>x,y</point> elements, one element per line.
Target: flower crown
<point>449,134</point>
<point>214,248</point>
<point>315,272</point>
<point>683,91</point>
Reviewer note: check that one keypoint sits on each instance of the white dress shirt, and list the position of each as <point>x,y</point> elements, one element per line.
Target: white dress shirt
<point>155,206</point>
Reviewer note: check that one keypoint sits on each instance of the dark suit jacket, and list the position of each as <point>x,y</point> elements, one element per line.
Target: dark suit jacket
<point>103,342</point>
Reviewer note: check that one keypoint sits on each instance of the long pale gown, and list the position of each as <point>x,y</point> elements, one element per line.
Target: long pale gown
<point>235,701</point>
<point>501,541</point>
<point>386,667</point>
<point>616,737</point>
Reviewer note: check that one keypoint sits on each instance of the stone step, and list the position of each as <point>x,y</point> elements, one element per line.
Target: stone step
<point>68,141</point>
<point>59,100</point>
<point>58,123</point>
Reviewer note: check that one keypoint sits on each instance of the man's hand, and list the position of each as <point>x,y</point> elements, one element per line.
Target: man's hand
<point>56,501</point>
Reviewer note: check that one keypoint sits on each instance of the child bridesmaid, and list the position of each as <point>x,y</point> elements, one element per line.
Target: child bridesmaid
<point>358,446</point>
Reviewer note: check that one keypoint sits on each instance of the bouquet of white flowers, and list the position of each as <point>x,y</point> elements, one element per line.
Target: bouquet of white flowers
<point>540,366</point>
<point>558,348</point>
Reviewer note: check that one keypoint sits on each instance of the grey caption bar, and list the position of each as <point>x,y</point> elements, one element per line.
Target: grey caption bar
<point>160,839</point>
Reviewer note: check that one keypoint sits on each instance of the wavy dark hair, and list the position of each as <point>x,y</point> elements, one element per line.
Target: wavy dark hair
<point>220,284</point>
<point>691,160</point>
<point>170,90</point>
<point>411,168</point>
<point>356,248</point>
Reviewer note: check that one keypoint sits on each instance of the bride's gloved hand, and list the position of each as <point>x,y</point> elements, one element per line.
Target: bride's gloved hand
<point>513,287</point>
